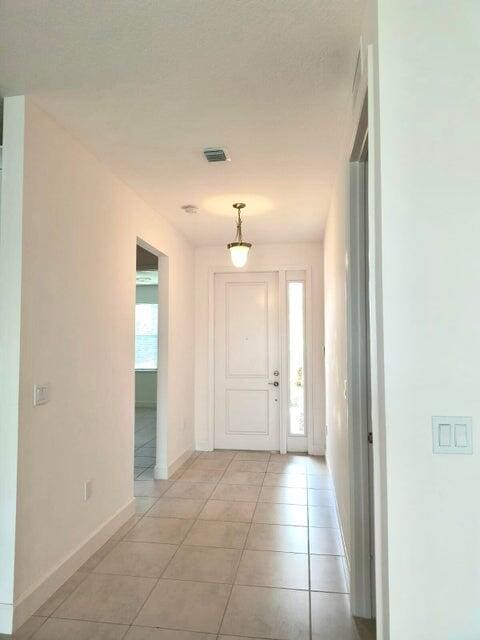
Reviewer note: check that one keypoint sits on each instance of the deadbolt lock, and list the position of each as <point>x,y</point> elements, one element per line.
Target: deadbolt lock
<point>276,373</point>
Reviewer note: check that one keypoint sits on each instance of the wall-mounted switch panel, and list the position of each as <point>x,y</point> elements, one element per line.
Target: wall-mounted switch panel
<point>87,490</point>
<point>40,394</point>
<point>452,434</point>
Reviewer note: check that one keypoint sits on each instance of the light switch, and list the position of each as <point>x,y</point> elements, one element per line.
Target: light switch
<point>445,435</point>
<point>461,435</point>
<point>40,394</point>
<point>452,434</point>
<point>87,489</point>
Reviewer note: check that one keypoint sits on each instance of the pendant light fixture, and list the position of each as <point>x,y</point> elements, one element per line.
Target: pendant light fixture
<point>239,249</point>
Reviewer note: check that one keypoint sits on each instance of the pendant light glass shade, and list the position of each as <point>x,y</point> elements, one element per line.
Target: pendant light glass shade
<point>239,253</point>
<point>239,249</point>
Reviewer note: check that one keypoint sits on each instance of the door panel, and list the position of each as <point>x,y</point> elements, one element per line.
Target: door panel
<point>246,354</point>
<point>246,317</point>
<point>246,411</point>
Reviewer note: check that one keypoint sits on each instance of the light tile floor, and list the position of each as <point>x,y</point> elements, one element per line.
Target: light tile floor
<point>236,544</point>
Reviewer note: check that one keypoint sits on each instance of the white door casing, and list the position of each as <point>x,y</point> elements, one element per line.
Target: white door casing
<point>246,340</point>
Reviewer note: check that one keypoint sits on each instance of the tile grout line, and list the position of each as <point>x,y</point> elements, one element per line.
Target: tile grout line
<point>50,615</point>
<point>196,520</point>
<point>122,539</point>
<point>166,566</point>
<point>187,465</point>
<point>88,573</point>
<point>238,564</point>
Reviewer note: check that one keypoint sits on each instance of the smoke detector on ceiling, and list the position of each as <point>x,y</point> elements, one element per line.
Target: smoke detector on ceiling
<point>216,154</point>
<point>190,209</point>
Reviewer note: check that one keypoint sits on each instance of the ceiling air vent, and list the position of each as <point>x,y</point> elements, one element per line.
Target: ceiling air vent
<point>215,154</point>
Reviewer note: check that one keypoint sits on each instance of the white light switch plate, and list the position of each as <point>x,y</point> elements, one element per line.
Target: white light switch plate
<point>40,394</point>
<point>452,434</point>
<point>87,489</point>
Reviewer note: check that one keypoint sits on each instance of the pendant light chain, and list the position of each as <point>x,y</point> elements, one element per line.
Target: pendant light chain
<point>238,237</point>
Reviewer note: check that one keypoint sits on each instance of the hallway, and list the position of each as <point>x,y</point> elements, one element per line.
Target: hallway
<point>239,213</point>
<point>242,544</point>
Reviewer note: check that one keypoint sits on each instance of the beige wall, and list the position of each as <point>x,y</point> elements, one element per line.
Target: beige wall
<point>336,357</point>
<point>272,256</point>
<point>77,335</point>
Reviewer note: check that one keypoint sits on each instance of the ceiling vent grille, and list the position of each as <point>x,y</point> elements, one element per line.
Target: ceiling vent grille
<point>215,154</point>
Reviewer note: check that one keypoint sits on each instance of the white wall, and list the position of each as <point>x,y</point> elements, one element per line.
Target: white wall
<point>429,98</point>
<point>274,256</point>
<point>77,335</point>
<point>336,358</point>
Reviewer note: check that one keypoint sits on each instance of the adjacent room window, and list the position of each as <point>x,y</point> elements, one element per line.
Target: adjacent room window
<point>146,336</point>
<point>296,358</point>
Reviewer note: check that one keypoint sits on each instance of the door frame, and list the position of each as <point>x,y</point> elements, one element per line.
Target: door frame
<point>358,377</point>
<point>161,457</point>
<point>283,347</point>
<point>360,503</point>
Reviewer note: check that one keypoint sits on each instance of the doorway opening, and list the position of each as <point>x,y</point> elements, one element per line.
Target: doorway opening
<point>146,363</point>
<point>359,408</point>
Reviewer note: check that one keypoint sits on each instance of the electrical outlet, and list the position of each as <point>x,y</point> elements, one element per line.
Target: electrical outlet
<point>87,490</point>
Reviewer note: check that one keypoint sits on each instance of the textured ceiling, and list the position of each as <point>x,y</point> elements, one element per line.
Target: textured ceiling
<point>147,84</point>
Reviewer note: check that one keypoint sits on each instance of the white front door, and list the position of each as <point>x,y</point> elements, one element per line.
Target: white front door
<point>246,359</point>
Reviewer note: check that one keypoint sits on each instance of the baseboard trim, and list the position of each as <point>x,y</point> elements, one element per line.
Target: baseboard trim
<point>163,472</point>
<point>316,450</point>
<point>203,446</point>
<point>31,600</point>
<point>160,472</point>
<point>346,564</point>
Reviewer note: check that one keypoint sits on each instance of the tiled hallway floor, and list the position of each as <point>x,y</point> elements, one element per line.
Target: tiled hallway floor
<point>237,544</point>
